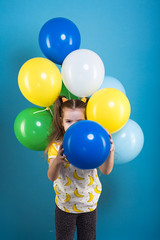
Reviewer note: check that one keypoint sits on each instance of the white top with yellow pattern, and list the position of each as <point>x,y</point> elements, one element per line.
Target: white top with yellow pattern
<point>77,190</point>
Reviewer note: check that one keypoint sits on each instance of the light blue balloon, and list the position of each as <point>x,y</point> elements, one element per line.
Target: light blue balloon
<point>111,82</point>
<point>128,142</point>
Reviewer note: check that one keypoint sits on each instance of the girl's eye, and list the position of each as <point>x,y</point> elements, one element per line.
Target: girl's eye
<point>68,121</point>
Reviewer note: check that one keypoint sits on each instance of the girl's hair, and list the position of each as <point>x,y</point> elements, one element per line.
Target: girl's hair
<point>58,130</point>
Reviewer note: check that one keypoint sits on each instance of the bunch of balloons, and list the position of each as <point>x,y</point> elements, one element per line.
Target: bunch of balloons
<point>82,75</point>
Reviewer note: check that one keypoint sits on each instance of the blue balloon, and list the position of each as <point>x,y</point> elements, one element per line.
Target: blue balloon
<point>57,38</point>
<point>86,144</point>
<point>111,82</point>
<point>128,142</point>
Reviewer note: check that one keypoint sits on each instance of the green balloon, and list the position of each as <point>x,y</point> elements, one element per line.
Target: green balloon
<point>32,126</point>
<point>65,92</point>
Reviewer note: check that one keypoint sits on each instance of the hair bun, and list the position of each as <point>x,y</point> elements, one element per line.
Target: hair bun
<point>84,99</point>
<point>64,99</point>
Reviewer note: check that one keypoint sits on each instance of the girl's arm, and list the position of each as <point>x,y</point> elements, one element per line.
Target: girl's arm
<point>55,165</point>
<point>107,166</point>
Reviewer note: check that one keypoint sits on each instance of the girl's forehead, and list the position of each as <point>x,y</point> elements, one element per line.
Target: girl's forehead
<point>72,113</point>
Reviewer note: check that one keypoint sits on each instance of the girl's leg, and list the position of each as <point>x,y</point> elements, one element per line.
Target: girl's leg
<point>65,224</point>
<point>86,225</point>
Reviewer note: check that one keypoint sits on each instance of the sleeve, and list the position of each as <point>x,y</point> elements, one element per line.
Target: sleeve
<point>52,152</point>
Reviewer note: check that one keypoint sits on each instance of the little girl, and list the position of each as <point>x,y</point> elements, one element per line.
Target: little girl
<point>77,191</point>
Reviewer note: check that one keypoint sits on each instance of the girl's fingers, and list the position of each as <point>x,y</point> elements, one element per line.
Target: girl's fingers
<point>112,147</point>
<point>61,145</point>
<point>61,151</point>
<point>107,130</point>
<point>110,136</point>
<point>64,161</point>
<point>62,157</point>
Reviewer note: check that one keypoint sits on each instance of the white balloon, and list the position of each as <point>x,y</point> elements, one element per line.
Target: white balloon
<point>111,82</point>
<point>82,72</point>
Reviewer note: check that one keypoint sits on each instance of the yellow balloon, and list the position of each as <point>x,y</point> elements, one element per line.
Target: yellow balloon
<point>40,81</point>
<point>110,108</point>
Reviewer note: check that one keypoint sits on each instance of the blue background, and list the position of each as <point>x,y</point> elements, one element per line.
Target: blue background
<point>126,36</point>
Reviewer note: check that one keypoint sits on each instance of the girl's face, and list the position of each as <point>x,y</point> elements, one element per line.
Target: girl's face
<point>71,116</point>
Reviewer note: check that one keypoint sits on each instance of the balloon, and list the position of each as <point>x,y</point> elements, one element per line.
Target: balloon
<point>58,37</point>
<point>82,72</point>
<point>109,107</point>
<point>111,82</point>
<point>65,92</point>
<point>40,81</point>
<point>86,144</point>
<point>32,126</point>
<point>128,142</point>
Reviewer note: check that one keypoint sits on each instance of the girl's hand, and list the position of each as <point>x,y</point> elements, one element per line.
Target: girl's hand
<point>60,158</point>
<point>112,149</point>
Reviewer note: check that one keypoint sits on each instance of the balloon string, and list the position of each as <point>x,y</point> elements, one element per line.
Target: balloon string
<point>51,112</point>
<point>69,95</point>
<point>47,108</point>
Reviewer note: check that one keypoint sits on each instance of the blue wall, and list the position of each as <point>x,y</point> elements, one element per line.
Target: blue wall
<point>126,36</point>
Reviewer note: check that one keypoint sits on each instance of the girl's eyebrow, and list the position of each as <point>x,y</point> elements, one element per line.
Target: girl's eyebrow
<point>66,119</point>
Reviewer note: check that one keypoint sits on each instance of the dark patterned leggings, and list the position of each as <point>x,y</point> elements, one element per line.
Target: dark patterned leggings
<point>66,222</point>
